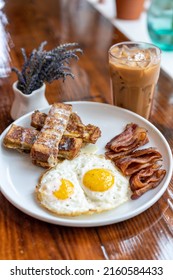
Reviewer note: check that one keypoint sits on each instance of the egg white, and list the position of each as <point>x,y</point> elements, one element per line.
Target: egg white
<point>114,196</point>
<point>76,204</point>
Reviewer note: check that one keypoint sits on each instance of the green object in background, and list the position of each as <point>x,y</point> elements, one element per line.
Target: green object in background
<point>160,23</point>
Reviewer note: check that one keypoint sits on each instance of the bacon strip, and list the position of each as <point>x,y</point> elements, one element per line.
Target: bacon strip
<point>114,156</point>
<point>140,179</point>
<point>145,180</point>
<point>138,160</point>
<point>131,138</point>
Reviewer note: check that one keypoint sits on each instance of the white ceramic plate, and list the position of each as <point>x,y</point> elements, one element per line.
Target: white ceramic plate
<point>19,176</point>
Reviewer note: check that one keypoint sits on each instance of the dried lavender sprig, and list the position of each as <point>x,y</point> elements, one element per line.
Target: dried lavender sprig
<point>45,66</point>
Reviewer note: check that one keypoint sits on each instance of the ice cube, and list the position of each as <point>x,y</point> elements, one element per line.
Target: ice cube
<point>125,51</point>
<point>143,63</point>
<point>139,56</point>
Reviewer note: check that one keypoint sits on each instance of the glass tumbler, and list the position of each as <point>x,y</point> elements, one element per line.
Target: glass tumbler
<point>134,72</point>
<point>160,23</point>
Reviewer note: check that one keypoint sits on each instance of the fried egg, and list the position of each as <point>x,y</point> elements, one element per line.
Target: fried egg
<point>60,192</point>
<point>104,186</point>
<point>87,184</point>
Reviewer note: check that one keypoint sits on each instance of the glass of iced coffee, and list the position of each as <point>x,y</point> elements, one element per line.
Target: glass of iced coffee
<point>134,70</point>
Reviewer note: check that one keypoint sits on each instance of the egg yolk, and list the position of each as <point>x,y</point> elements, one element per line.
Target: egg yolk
<point>98,180</point>
<point>65,190</point>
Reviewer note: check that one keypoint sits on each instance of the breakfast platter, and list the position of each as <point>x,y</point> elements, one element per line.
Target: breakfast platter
<point>19,177</point>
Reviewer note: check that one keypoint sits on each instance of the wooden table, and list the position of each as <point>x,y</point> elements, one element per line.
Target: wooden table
<point>146,236</point>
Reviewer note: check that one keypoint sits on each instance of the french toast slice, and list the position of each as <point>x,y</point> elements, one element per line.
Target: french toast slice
<point>45,149</point>
<point>21,139</point>
<point>69,147</point>
<point>38,119</point>
<point>75,128</point>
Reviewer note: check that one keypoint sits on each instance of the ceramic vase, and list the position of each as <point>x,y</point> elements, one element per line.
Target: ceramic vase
<point>24,104</point>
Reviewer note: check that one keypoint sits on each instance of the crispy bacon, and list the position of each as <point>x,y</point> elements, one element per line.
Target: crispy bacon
<point>145,180</point>
<point>114,156</point>
<point>140,165</point>
<point>138,160</point>
<point>140,179</point>
<point>131,138</point>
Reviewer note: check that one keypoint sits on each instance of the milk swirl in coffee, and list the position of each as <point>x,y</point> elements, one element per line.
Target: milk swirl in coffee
<point>134,71</point>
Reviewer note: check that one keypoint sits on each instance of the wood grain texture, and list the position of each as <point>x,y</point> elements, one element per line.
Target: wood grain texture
<point>147,236</point>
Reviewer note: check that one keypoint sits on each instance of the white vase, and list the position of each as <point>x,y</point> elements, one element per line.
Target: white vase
<point>24,104</point>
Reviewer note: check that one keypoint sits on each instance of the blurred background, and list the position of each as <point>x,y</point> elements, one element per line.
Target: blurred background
<point>143,20</point>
